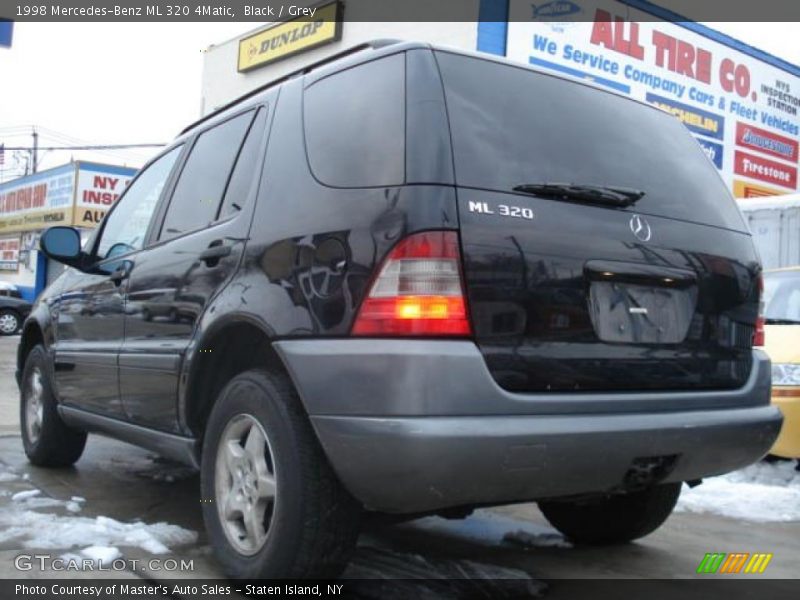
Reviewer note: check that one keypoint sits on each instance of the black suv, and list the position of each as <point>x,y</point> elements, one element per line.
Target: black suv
<point>411,280</point>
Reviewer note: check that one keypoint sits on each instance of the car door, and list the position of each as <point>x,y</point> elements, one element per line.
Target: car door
<point>200,239</point>
<point>90,320</point>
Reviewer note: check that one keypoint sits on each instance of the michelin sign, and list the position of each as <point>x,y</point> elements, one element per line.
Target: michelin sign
<point>744,111</point>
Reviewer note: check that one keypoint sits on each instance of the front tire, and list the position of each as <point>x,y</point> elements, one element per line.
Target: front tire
<point>47,440</point>
<point>613,519</point>
<point>10,322</point>
<point>272,505</point>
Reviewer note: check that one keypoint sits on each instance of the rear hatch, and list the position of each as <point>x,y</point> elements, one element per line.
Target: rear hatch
<point>602,251</point>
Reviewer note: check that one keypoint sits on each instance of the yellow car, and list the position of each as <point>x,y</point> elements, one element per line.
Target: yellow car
<point>782,330</point>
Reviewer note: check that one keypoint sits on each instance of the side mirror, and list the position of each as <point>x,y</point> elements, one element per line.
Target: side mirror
<point>62,244</point>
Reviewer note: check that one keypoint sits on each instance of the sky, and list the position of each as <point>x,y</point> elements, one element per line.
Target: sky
<point>110,83</point>
<point>122,83</point>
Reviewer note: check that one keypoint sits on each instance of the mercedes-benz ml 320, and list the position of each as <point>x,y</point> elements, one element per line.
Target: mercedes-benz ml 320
<point>411,280</point>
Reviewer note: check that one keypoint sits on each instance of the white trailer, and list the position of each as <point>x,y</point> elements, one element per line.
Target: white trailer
<point>774,222</point>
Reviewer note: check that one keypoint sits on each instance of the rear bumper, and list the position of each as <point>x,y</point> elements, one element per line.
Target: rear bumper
<point>414,426</point>
<point>420,464</point>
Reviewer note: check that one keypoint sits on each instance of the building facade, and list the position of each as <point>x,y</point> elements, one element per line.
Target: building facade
<point>740,103</point>
<point>76,194</point>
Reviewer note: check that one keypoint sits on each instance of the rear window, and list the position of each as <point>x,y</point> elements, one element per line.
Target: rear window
<point>512,126</point>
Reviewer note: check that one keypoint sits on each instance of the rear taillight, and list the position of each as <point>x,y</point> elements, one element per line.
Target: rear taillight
<point>418,290</point>
<point>758,337</point>
<point>758,334</point>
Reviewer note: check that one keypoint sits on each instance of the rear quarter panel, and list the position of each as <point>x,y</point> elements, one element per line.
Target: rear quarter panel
<point>314,249</point>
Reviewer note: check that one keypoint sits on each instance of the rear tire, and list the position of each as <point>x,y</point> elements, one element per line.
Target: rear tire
<point>47,440</point>
<point>272,506</point>
<point>615,518</point>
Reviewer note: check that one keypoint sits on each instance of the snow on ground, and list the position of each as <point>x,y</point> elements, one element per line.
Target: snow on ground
<point>33,499</point>
<point>46,530</point>
<point>762,493</point>
<point>75,504</point>
<point>96,538</point>
<point>488,527</point>
<point>25,496</point>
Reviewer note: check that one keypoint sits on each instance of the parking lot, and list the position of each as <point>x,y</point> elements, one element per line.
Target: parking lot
<point>121,501</point>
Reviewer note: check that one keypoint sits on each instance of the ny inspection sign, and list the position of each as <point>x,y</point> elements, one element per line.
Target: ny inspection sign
<point>742,110</point>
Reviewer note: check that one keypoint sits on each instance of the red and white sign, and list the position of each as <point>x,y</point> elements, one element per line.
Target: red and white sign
<point>9,253</point>
<point>770,171</point>
<point>767,142</point>
<point>97,189</point>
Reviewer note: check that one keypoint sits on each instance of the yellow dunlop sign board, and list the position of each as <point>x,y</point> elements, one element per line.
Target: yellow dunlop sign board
<point>291,37</point>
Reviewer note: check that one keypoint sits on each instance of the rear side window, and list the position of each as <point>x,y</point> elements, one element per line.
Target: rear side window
<point>512,126</point>
<point>204,177</point>
<point>243,177</point>
<point>355,125</point>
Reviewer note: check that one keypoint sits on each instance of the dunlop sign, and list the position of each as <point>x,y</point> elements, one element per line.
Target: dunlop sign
<point>291,37</point>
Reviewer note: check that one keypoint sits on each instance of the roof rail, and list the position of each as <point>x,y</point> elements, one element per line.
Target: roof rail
<point>372,44</point>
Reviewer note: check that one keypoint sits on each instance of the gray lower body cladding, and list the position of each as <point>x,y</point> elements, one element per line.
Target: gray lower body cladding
<point>414,426</point>
<point>420,464</point>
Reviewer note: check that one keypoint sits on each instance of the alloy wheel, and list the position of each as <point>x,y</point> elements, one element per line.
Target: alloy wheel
<point>9,323</point>
<point>245,484</point>
<point>34,406</point>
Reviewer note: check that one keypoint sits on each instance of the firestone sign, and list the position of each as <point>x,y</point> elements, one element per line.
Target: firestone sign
<point>742,110</point>
<point>76,194</point>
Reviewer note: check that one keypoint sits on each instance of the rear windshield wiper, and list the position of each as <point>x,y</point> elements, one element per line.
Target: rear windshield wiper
<point>769,321</point>
<point>593,194</point>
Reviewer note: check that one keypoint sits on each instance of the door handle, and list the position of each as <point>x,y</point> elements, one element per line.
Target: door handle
<point>216,250</point>
<point>121,273</point>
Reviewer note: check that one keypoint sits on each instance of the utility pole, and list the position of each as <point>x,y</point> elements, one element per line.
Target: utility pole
<point>35,151</point>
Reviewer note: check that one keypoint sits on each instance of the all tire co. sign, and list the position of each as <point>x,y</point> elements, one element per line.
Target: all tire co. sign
<point>742,105</point>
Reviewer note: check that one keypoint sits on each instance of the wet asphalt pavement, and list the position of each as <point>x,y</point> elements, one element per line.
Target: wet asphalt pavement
<point>128,484</point>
